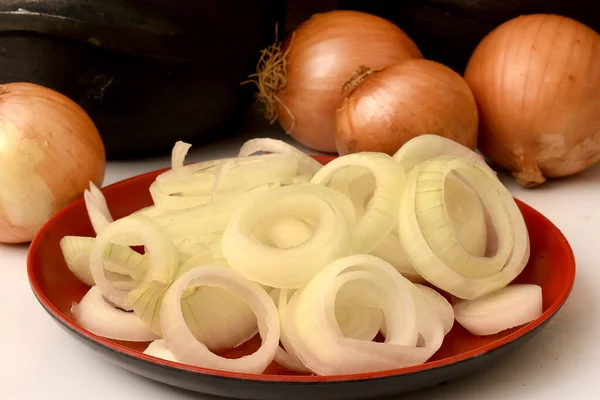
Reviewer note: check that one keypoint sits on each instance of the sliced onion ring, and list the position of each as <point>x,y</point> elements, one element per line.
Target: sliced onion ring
<point>439,305</point>
<point>382,213</point>
<point>245,240</point>
<point>498,201</point>
<point>162,258</point>
<point>97,209</point>
<point>425,147</point>
<point>315,338</point>
<point>308,165</point>
<point>506,308</point>
<point>188,350</point>
<point>180,150</point>
<point>102,319</point>
<point>159,349</point>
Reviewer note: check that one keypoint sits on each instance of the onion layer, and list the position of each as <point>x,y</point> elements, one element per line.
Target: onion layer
<point>506,308</point>
<point>162,259</point>
<point>439,305</point>
<point>308,165</point>
<point>120,263</point>
<point>100,318</point>
<point>444,262</point>
<point>314,335</point>
<point>245,244</point>
<point>187,349</point>
<point>381,213</point>
<point>158,349</point>
<point>425,147</point>
<point>203,183</point>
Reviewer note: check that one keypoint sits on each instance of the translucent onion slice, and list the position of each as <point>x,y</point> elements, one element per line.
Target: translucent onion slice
<point>308,165</point>
<point>381,214</point>
<point>358,183</point>
<point>150,211</point>
<point>190,247</point>
<point>425,147</point>
<point>282,356</point>
<point>76,252</point>
<point>356,318</point>
<point>180,150</point>
<point>248,249</point>
<point>467,219</point>
<point>426,252</point>
<point>446,207</point>
<point>120,262</point>
<point>100,318</point>
<point>147,297</point>
<point>288,232</point>
<point>218,318</point>
<point>167,202</point>
<point>429,323</point>
<point>316,339</point>
<point>159,349</point>
<point>97,209</point>
<point>145,300</point>
<point>506,308</point>
<point>466,215</point>
<point>204,220</point>
<point>187,349</point>
<point>225,178</point>
<point>160,251</point>
<point>99,214</point>
<point>439,305</point>
<point>390,250</point>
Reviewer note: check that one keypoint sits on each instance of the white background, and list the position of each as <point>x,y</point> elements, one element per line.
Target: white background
<point>38,360</point>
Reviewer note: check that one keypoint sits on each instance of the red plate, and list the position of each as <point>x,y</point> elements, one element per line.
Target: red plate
<point>551,266</point>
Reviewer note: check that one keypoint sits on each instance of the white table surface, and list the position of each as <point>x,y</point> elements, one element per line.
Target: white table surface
<point>38,360</point>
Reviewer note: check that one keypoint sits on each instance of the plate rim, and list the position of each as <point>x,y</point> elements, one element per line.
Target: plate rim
<point>290,379</point>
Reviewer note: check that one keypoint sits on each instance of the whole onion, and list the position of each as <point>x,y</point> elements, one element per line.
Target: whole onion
<point>536,80</point>
<point>49,151</point>
<point>385,109</point>
<point>301,80</point>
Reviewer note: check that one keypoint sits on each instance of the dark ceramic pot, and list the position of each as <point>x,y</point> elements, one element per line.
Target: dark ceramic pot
<point>149,72</point>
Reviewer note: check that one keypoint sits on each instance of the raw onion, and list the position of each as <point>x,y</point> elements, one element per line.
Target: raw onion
<point>158,349</point>
<point>315,337</point>
<point>536,80</point>
<point>383,109</point>
<point>120,263</point>
<point>162,258</point>
<point>381,212</point>
<point>452,223</point>
<point>102,319</point>
<point>506,308</point>
<point>439,305</point>
<point>300,81</point>
<point>308,165</point>
<point>184,346</point>
<point>50,150</point>
<point>430,240</point>
<point>248,251</point>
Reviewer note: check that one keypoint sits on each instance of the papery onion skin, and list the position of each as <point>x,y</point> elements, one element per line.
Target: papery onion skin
<point>49,150</point>
<point>536,80</point>
<point>403,101</point>
<point>319,57</point>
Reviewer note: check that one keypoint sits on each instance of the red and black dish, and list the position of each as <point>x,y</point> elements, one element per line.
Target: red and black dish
<point>551,266</point>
